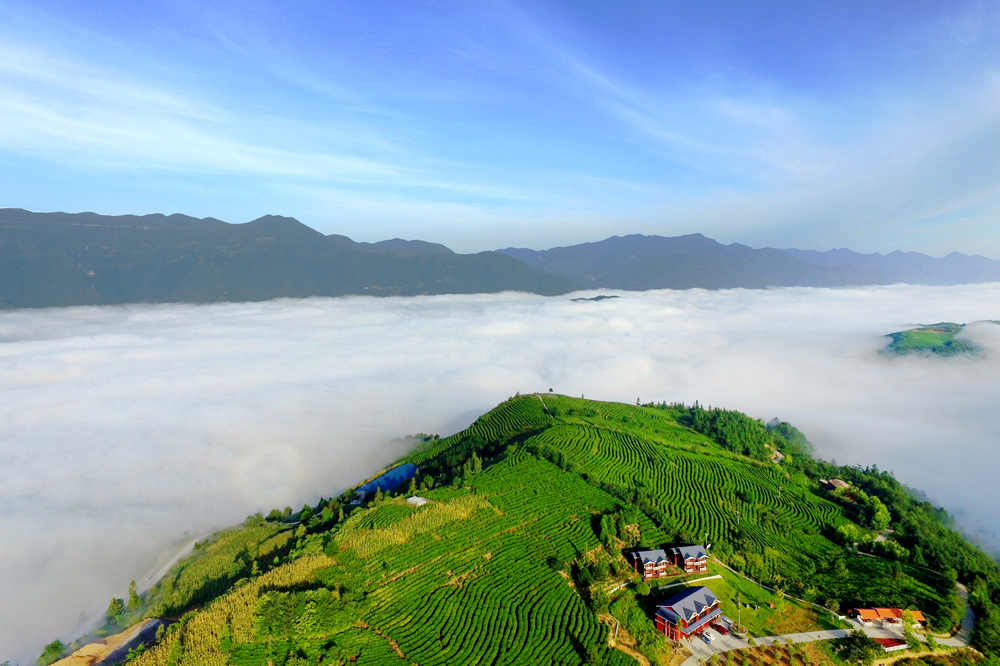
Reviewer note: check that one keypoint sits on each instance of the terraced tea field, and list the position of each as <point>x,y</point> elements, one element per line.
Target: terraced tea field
<point>511,565</point>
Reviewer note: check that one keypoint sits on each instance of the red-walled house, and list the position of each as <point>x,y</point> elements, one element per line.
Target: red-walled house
<point>693,559</point>
<point>687,614</point>
<point>651,563</point>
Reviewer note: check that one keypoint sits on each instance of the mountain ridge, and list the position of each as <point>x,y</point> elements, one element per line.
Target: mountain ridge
<point>62,259</point>
<point>638,262</point>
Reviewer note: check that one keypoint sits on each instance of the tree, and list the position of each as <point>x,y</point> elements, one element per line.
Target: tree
<point>642,588</point>
<point>378,495</point>
<point>115,609</point>
<point>133,597</point>
<point>858,647</point>
<point>609,528</point>
<point>413,486</point>
<point>780,605</point>
<point>833,605</point>
<point>878,516</point>
<point>52,652</point>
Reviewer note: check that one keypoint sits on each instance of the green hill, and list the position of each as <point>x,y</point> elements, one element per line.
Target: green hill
<point>936,339</point>
<point>59,259</point>
<point>517,557</point>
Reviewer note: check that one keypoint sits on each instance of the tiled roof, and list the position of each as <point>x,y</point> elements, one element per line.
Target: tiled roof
<point>887,614</point>
<point>650,556</point>
<point>890,644</point>
<point>690,552</point>
<point>689,603</point>
<point>688,630</point>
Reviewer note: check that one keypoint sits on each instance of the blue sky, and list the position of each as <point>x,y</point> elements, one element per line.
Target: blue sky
<point>874,126</point>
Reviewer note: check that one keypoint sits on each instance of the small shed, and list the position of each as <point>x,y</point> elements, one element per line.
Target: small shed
<point>891,644</point>
<point>416,501</point>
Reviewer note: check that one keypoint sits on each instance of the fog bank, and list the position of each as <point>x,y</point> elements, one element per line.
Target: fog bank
<point>123,428</point>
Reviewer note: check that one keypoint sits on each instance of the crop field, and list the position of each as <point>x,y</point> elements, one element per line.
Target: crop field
<point>937,339</point>
<point>510,561</point>
<point>487,594</point>
<point>214,566</point>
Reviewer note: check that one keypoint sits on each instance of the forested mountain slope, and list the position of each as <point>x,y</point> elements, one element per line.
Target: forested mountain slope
<point>637,262</point>
<point>910,267</point>
<point>517,557</point>
<point>58,259</point>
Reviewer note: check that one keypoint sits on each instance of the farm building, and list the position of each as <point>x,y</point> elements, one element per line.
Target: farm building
<point>891,644</point>
<point>651,563</point>
<point>693,559</point>
<point>416,501</point>
<point>880,617</point>
<point>687,614</point>
<point>834,484</point>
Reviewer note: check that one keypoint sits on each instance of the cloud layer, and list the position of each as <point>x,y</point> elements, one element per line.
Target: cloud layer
<point>123,428</point>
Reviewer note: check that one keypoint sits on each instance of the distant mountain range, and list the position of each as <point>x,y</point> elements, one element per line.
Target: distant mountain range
<point>58,259</point>
<point>910,267</point>
<point>638,262</point>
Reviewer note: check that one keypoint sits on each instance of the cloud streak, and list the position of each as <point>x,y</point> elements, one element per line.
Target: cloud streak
<point>123,428</point>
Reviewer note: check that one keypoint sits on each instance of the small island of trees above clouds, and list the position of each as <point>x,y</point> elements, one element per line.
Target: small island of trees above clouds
<point>943,339</point>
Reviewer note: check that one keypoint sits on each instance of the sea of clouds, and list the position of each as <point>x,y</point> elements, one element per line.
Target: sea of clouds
<point>125,432</point>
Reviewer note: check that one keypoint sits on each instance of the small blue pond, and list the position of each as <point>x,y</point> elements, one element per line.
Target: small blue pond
<point>391,479</point>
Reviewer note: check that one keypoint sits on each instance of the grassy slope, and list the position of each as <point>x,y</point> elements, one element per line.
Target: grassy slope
<point>936,339</point>
<point>510,569</point>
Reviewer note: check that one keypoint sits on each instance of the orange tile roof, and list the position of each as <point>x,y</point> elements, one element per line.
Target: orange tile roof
<point>888,614</point>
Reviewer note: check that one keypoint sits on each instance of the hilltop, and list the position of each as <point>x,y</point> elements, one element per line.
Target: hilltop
<point>518,554</point>
<point>933,340</point>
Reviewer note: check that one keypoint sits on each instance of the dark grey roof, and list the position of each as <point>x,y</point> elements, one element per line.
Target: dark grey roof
<point>652,556</point>
<point>663,612</point>
<point>687,604</point>
<point>687,552</point>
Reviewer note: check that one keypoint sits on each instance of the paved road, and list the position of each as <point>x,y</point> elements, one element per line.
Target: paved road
<point>720,643</point>
<point>964,635</point>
